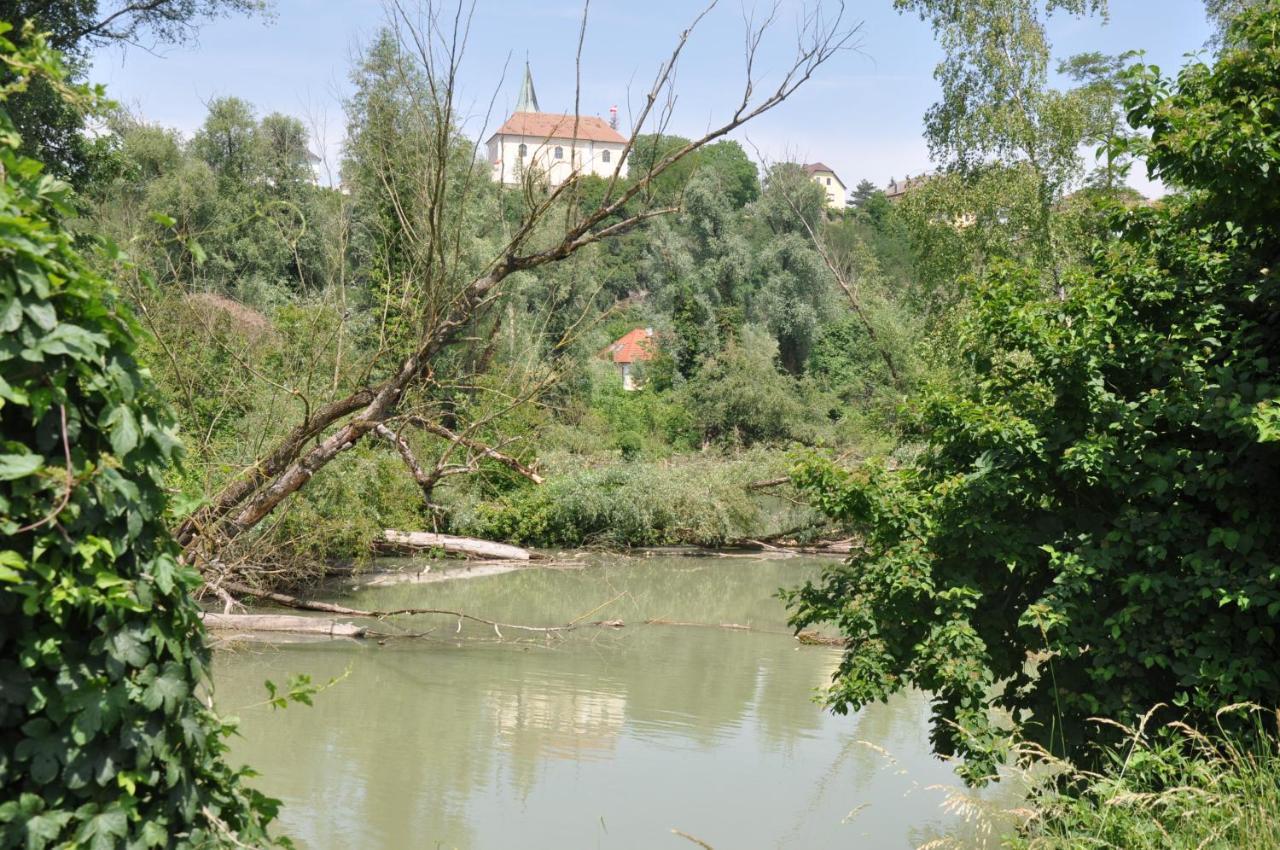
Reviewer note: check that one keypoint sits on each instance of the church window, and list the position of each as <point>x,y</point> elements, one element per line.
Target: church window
<point>559,152</point>
<point>605,156</point>
<point>524,150</point>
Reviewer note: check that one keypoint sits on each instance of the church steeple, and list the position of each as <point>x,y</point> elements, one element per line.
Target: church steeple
<point>528,100</point>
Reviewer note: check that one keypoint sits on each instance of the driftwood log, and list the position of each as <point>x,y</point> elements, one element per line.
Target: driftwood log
<point>281,623</point>
<point>469,546</point>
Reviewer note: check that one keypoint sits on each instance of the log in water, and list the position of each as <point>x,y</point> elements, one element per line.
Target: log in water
<point>453,545</point>
<point>281,623</point>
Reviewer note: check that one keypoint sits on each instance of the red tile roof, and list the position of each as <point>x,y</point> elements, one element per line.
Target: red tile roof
<point>632,346</point>
<point>548,125</point>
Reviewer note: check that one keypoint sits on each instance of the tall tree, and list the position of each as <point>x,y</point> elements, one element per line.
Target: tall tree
<point>997,105</point>
<point>52,129</point>
<point>863,192</point>
<point>1088,530</point>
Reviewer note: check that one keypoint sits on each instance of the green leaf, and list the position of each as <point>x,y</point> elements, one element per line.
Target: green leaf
<point>19,466</point>
<point>123,429</point>
<point>101,831</point>
<point>167,689</point>
<point>43,314</point>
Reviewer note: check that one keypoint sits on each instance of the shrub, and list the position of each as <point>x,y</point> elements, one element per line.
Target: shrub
<point>740,396</point>
<point>698,501</point>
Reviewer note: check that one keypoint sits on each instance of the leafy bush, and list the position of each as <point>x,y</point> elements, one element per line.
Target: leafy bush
<point>1089,530</point>
<point>698,501</point>
<point>739,395</point>
<point>343,511</point>
<point>105,740</point>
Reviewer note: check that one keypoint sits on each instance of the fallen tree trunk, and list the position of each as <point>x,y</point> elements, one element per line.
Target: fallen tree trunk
<point>281,623</point>
<point>453,545</point>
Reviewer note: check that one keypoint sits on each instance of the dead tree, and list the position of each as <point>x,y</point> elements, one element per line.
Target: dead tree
<point>447,303</point>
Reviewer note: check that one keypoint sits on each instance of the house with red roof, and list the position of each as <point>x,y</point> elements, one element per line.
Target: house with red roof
<point>632,348</point>
<point>554,144</point>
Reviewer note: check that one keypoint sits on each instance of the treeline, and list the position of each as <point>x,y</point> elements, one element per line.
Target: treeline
<point>267,292</point>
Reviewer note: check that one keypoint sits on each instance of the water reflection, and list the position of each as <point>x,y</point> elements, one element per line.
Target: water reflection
<point>605,739</point>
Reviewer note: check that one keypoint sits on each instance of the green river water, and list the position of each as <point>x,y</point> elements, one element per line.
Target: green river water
<point>604,738</point>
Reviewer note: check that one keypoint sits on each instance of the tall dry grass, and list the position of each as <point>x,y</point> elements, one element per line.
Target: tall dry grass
<point>1167,786</point>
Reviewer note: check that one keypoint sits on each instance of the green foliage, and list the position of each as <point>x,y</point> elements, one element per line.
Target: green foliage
<point>1088,530</point>
<point>51,126</point>
<point>740,396</point>
<point>105,739</point>
<point>344,509</point>
<point>699,501</point>
<point>1168,788</point>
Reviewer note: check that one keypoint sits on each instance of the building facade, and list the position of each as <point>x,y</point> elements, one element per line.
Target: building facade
<point>825,176</point>
<point>553,144</point>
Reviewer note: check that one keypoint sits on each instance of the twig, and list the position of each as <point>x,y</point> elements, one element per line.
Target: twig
<point>70,480</point>
<point>686,836</point>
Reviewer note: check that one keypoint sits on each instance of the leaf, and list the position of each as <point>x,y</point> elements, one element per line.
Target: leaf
<point>167,689</point>
<point>129,647</point>
<point>101,831</point>
<point>123,428</point>
<point>19,466</point>
<point>10,315</point>
<point>43,314</point>
<point>44,828</point>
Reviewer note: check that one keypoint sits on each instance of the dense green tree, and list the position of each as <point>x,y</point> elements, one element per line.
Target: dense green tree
<point>734,173</point>
<point>226,140</point>
<point>740,396</point>
<point>53,128</point>
<point>1088,529</point>
<point>997,106</point>
<point>794,290</point>
<point>863,193</point>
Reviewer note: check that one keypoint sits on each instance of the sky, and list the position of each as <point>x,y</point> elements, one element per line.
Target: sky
<point>862,114</point>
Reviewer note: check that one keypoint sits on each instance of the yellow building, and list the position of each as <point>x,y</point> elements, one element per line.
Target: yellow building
<point>826,177</point>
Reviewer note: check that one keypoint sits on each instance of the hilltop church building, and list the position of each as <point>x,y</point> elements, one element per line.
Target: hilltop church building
<point>554,144</point>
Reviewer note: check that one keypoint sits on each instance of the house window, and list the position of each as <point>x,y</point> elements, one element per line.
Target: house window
<point>524,150</point>
<point>559,152</point>
<point>828,181</point>
<point>605,156</point>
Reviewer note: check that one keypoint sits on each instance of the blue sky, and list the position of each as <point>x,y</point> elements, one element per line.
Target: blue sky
<point>862,114</point>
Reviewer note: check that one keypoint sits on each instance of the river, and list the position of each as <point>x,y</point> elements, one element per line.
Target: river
<point>603,738</point>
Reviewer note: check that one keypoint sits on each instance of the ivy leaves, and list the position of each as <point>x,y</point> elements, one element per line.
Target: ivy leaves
<point>103,740</point>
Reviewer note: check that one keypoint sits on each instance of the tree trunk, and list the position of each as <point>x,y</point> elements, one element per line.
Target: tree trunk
<point>454,545</point>
<point>281,623</point>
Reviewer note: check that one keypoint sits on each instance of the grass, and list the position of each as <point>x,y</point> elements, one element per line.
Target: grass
<point>1166,787</point>
<point>1172,788</point>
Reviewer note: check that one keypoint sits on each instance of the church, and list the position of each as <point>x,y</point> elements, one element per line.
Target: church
<point>553,144</point>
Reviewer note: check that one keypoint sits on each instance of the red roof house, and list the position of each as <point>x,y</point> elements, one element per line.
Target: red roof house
<point>632,347</point>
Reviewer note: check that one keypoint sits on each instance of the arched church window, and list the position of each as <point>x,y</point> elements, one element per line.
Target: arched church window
<point>559,152</point>
<point>605,156</point>
<point>524,150</point>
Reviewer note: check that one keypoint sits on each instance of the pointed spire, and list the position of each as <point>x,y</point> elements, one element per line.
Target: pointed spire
<point>528,100</point>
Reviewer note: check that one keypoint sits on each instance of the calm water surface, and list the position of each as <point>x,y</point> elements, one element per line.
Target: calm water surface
<point>601,739</point>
